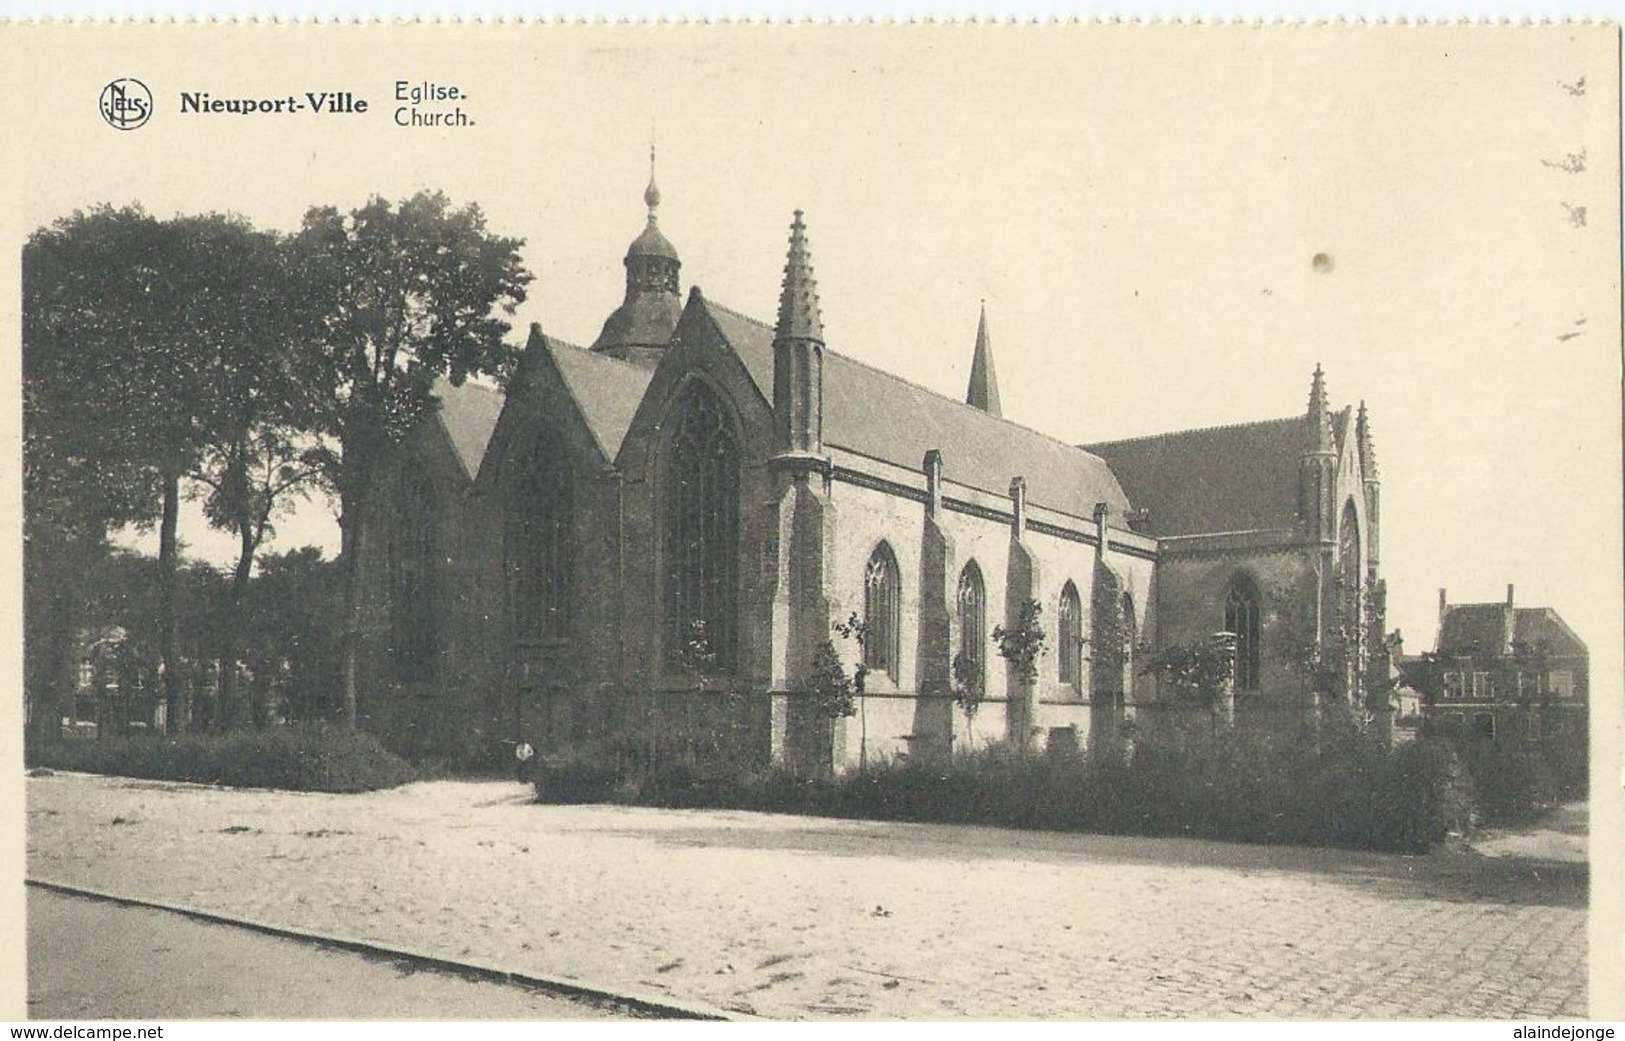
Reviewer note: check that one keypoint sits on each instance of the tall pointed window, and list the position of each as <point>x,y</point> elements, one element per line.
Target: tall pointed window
<point>1069,634</point>
<point>882,612</point>
<point>1131,636</point>
<point>701,540</point>
<point>1350,589</point>
<point>410,551</point>
<point>972,602</point>
<point>1241,618</point>
<point>1348,560</point>
<point>535,540</point>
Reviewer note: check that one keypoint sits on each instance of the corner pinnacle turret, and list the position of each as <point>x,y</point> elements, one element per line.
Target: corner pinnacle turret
<point>798,356</point>
<point>1321,436</point>
<point>1368,453</point>
<point>799,318</point>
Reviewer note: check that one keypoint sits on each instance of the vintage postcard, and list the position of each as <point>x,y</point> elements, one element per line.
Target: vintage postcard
<point>835,522</point>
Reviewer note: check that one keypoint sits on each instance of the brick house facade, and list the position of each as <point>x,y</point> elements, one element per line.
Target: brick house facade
<point>1507,671</point>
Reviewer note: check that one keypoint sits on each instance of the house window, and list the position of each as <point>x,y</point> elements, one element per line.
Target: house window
<point>1484,725</point>
<point>972,601</point>
<point>1069,627</point>
<point>411,556</point>
<point>701,548</point>
<point>1453,684</point>
<point>1481,684</point>
<point>1561,682</point>
<point>881,596</point>
<point>535,540</point>
<point>1241,620</point>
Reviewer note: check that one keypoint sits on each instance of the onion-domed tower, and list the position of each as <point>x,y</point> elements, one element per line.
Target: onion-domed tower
<point>641,327</point>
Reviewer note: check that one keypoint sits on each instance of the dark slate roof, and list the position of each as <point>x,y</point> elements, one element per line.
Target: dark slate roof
<point>876,414</point>
<point>1474,629</point>
<point>606,390</point>
<point>1534,625</point>
<point>469,415</point>
<point>651,243</point>
<point>1221,479</point>
<point>645,318</point>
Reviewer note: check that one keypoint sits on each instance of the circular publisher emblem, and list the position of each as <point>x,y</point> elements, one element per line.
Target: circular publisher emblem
<point>126,104</point>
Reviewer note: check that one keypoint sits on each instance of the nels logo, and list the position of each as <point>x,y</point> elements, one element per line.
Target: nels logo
<point>126,104</point>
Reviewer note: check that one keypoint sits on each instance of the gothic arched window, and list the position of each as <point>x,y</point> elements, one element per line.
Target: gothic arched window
<point>1069,633</point>
<point>1350,589</point>
<point>882,609</point>
<point>701,542</point>
<point>535,540</point>
<point>1348,555</point>
<point>1241,615</point>
<point>1131,636</point>
<point>972,601</point>
<point>410,552</point>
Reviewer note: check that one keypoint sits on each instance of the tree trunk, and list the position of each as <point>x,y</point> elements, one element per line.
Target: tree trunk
<point>260,698</point>
<point>232,625</point>
<point>168,554</point>
<point>350,582</point>
<point>53,585</point>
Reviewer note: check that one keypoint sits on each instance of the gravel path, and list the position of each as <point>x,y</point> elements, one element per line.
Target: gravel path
<point>803,918</point>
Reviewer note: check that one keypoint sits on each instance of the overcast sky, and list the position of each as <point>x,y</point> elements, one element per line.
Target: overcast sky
<point>1139,206</point>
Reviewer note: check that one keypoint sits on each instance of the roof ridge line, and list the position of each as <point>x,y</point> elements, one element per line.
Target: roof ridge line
<point>910,383</point>
<point>1196,430</point>
<point>560,342</point>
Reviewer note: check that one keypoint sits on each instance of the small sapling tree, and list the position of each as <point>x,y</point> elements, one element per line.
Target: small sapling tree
<point>857,629</point>
<point>1024,643</point>
<point>969,689</point>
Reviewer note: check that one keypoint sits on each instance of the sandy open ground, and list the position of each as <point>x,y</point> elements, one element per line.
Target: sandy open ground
<point>797,918</point>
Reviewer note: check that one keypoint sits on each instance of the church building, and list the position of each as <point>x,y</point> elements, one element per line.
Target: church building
<point>646,544</point>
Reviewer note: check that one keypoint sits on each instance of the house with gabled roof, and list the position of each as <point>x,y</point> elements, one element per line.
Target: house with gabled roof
<point>1507,671</point>
<point>650,543</point>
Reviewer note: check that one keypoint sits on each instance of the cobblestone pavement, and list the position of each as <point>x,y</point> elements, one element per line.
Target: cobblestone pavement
<point>802,918</point>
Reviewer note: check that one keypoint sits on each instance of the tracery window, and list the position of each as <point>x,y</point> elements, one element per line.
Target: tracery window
<point>1069,634</point>
<point>701,540</point>
<point>972,601</point>
<point>882,612</point>
<point>1241,619</point>
<point>410,557</point>
<point>535,540</point>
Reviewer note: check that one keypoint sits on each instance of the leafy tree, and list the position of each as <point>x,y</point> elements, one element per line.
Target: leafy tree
<point>401,294</point>
<point>829,685</point>
<point>96,439</point>
<point>1197,671</point>
<point>288,611</point>
<point>255,452</point>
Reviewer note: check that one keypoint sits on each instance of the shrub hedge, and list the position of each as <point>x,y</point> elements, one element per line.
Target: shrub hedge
<point>317,757</point>
<point>1344,789</point>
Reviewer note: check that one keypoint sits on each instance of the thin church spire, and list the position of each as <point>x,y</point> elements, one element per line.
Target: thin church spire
<point>983,392</point>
